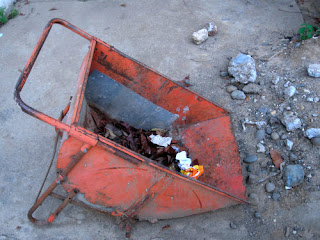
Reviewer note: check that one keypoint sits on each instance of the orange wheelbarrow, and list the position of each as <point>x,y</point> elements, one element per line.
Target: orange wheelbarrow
<point>104,176</point>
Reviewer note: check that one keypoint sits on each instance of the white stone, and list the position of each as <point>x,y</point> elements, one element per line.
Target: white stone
<point>289,144</point>
<point>314,70</point>
<point>243,69</point>
<point>261,148</point>
<point>313,132</point>
<point>200,36</point>
<point>290,91</point>
<point>291,122</point>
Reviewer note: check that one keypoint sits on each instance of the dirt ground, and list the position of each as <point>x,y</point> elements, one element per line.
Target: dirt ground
<point>159,35</point>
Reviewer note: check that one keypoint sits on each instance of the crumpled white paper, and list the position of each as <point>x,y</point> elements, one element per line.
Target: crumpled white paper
<point>184,161</point>
<point>161,141</point>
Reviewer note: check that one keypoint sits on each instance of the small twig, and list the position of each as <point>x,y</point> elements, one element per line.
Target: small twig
<point>267,178</point>
<point>282,10</point>
<point>201,60</point>
<point>273,56</point>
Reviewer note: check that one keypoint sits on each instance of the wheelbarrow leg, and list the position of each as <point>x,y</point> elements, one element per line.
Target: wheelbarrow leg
<point>60,178</point>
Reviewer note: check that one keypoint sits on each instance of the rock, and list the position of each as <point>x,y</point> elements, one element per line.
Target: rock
<point>316,141</point>
<point>314,70</point>
<point>291,122</point>
<point>252,88</point>
<point>231,88</point>
<point>232,225</point>
<point>270,187</point>
<point>243,69</point>
<point>224,74</point>
<point>276,80</point>
<point>250,159</point>
<point>290,91</point>
<point>249,168</point>
<point>284,137</point>
<point>316,99</point>
<point>275,196</point>
<point>257,214</point>
<point>238,95</point>
<point>293,175</point>
<point>260,134</point>
<point>274,122</point>
<point>252,179</point>
<point>200,36</point>
<point>310,99</point>
<point>289,144</point>
<point>253,198</point>
<point>211,28</point>
<point>313,132</point>
<point>293,157</point>
<point>263,109</point>
<point>275,136</point>
<point>269,130</point>
<point>261,148</point>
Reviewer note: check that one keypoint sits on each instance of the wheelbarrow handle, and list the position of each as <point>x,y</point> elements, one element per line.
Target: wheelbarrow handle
<point>26,71</point>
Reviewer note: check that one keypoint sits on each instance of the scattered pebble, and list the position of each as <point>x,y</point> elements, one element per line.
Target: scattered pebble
<point>293,175</point>
<point>291,122</point>
<point>276,80</point>
<point>250,168</point>
<point>211,28</point>
<point>270,187</point>
<point>289,144</point>
<point>238,95</point>
<point>316,99</point>
<point>253,198</point>
<point>276,196</point>
<point>275,136</point>
<point>243,68</point>
<point>269,130</point>
<point>260,134</point>
<point>316,141</point>
<point>284,136</point>
<point>232,225</point>
<point>313,132</point>
<point>231,88</point>
<point>224,74</point>
<point>252,88</point>
<point>261,148</point>
<point>290,91</point>
<point>257,214</point>
<point>252,179</point>
<point>250,159</point>
<point>310,99</point>
<point>200,36</point>
<point>314,70</point>
<point>293,157</point>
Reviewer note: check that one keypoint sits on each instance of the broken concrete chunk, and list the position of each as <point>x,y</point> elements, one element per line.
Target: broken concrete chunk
<point>291,122</point>
<point>314,70</point>
<point>243,69</point>
<point>200,36</point>
<point>313,132</point>
<point>211,28</point>
<point>293,175</point>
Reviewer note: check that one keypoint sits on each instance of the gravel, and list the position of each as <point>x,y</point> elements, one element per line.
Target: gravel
<point>243,69</point>
<point>291,122</point>
<point>276,196</point>
<point>270,187</point>
<point>200,36</point>
<point>293,175</point>
<point>224,74</point>
<point>232,225</point>
<point>314,70</point>
<point>257,215</point>
<point>253,198</point>
<point>238,95</point>
<point>289,144</point>
<point>231,88</point>
<point>290,91</point>
<point>249,168</point>
<point>250,159</point>
<point>275,136</point>
<point>261,148</point>
<point>260,134</point>
<point>316,141</point>
<point>313,132</point>
<point>252,88</point>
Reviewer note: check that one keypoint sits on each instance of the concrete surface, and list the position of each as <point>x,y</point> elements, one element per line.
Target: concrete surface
<point>157,33</point>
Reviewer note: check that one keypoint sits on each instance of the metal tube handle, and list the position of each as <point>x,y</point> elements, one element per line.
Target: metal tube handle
<point>26,71</point>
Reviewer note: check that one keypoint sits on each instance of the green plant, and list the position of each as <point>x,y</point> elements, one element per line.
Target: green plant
<point>308,31</point>
<point>13,13</point>
<point>3,18</point>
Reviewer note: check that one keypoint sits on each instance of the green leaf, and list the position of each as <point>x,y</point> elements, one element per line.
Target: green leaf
<point>309,35</point>
<point>310,28</point>
<point>301,30</point>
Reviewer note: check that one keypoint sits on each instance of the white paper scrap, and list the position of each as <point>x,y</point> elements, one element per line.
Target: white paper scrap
<point>161,141</point>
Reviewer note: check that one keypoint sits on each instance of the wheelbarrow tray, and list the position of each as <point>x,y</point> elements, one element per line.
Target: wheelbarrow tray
<point>119,181</point>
